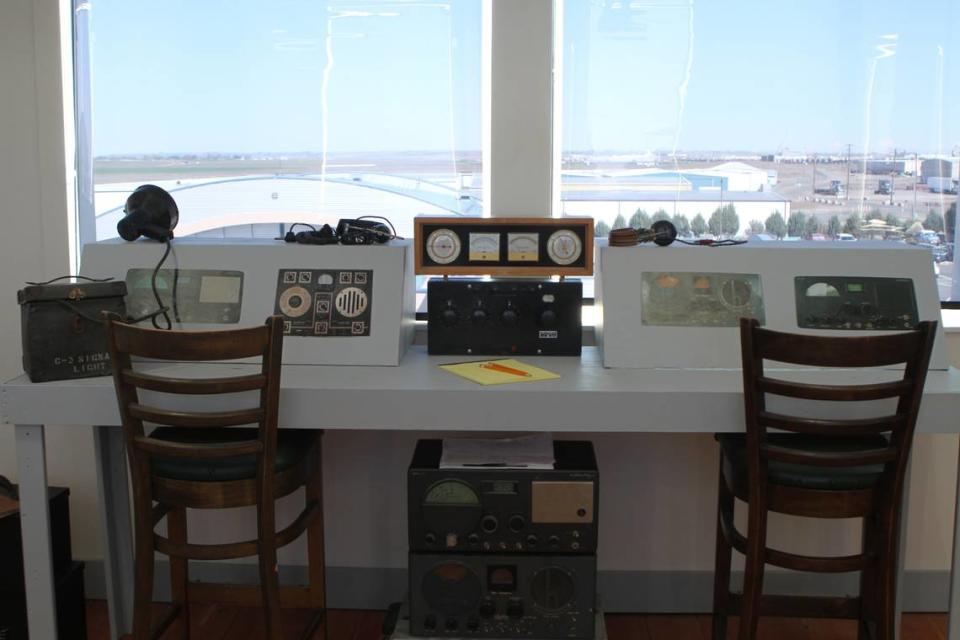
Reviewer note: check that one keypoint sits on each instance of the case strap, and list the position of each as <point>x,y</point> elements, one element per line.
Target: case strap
<point>69,278</point>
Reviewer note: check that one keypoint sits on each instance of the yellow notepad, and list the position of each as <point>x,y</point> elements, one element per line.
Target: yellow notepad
<point>499,371</point>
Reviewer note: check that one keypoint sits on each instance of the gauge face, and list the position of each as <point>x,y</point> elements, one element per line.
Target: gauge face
<point>523,247</point>
<point>443,246</point>
<point>452,589</point>
<point>736,294</point>
<point>451,492</point>
<point>564,247</point>
<point>484,247</point>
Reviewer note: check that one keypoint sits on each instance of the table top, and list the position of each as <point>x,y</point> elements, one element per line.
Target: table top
<point>418,395</point>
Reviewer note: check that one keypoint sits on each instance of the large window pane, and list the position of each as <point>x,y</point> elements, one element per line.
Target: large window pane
<point>256,113</point>
<point>824,120</point>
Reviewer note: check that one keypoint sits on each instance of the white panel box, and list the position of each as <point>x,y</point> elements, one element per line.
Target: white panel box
<point>679,306</point>
<point>342,305</point>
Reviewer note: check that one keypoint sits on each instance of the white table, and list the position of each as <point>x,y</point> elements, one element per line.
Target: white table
<point>416,395</point>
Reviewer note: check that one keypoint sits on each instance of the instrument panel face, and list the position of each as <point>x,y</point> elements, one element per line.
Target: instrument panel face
<point>204,296</point>
<point>700,299</point>
<point>325,302</point>
<point>848,303</point>
<point>504,246</point>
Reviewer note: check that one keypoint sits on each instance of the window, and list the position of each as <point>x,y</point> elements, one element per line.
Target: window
<point>254,114</point>
<point>822,120</point>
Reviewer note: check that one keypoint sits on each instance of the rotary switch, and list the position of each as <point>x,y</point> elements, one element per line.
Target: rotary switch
<point>509,317</point>
<point>548,318</point>
<point>478,316</point>
<point>449,316</point>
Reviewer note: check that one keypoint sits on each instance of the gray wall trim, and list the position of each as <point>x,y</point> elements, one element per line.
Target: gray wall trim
<point>620,591</point>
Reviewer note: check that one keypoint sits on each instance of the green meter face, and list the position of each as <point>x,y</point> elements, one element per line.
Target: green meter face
<point>451,492</point>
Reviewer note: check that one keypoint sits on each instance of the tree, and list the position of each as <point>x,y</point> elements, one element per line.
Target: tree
<point>715,224</point>
<point>950,222</point>
<point>796,223</point>
<point>776,225</point>
<point>681,223</point>
<point>811,227</point>
<point>640,220</point>
<point>601,230</point>
<point>756,227</point>
<point>724,221</point>
<point>852,225</point>
<point>892,220</point>
<point>875,214</point>
<point>833,226</point>
<point>660,215</point>
<point>933,221</point>
<point>619,222</point>
<point>698,225</point>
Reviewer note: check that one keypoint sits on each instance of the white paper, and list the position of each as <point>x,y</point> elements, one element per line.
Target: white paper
<point>525,452</point>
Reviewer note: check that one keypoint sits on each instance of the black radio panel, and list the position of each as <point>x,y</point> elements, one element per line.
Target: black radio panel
<point>498,596</point>
<point>504,510</point>
<point>325,302</point>
<point>855,304</point>
<point>502,317</point>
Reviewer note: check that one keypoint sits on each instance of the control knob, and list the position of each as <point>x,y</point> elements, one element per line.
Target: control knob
<point>509,317</point>
<point>449,316</point>
<point>548,318</point>
<point>478,316</point>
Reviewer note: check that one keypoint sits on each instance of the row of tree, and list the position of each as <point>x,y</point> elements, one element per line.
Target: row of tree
<point>724,221</point>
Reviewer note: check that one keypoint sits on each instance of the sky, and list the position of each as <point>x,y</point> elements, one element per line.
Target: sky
<point>404,75</point>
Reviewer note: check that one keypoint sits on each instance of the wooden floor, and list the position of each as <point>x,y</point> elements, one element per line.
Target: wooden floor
<point>219,622</point>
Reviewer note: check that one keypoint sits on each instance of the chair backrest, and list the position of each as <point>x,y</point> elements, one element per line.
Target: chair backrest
<point>911,348</point>
<point>266,342</point>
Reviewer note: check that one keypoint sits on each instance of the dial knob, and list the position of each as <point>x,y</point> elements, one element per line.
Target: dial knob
<point>532,540</point>
<point>509,317</point>
<point>515,608</point>
<point>517,522</point>
<point>478,316</point>
<point>449,317</point>
<point>548,318</point>
<point>489,523</point>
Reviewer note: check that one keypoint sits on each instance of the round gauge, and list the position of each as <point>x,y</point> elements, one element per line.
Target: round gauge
<point>736,294</point>
<point>294,302</point>
<point>564,247</point>
<point>452,588</point>
<point>443,246</point>
<point>451,507</point>
<point>552,589</point>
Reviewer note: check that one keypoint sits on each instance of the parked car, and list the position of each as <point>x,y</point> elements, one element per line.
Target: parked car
<point>846,237</point>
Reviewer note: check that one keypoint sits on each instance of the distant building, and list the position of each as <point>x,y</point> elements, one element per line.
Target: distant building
<point>936,168</point>
<point>885,167</point>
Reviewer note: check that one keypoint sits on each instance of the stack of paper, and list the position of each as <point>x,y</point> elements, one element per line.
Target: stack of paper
<point>526,452</point>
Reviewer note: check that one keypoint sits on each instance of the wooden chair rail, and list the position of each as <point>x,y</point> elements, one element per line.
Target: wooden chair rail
<point>853,392</point>
<point>871,351</point>
<point>834,564</point>
<point>207,386</point>
<point>814,426</point>
<point>201,419</point>
<point>829,459</point>
<point>161,626</point>
<point>197,450</point>
<point>191,346</point>
<point>801,606</point>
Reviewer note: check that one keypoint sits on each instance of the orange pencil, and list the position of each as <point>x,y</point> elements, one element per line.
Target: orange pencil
<point>493,366</point>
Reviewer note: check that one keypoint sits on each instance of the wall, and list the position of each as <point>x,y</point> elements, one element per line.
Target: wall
<point>658,493</point>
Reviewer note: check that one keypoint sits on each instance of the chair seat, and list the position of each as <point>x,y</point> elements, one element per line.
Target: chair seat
<point>735,468</point>
<point>292,445</point>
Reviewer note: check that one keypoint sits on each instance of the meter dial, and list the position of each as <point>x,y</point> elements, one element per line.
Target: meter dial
<point>443,246</point>
<point>451,507</point>
<point>564,247</point>
<point>484,247</point>
<point>523,247</point>
<point>736,294</point>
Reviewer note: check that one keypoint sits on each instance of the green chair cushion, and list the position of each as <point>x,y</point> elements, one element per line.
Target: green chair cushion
<point>292,445</point>
<point>734,448</point>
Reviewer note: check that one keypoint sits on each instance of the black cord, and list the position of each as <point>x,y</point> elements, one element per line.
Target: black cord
<point>302,224</point>
<point>161,310</point>
<point>729,242</point>
<point>389,224</point>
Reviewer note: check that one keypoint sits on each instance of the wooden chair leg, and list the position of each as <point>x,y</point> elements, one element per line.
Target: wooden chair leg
<point>179,571</point>
<point>888,550</point>
<point>868,580</point>
<point>724,553</point>
<point>316,557</point>
<point>753,570</point>
<point>143,570</point>
<point>269,580</point>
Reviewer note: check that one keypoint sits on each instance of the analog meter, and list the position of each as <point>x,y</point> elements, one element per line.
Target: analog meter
<point>451,508</point>
<point>484,247</point>
<point>443,246</point>
<point>523,247</point>
<point>564,247</point>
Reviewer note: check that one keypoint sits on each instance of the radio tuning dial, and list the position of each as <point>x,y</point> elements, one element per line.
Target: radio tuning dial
<point>509,317</point>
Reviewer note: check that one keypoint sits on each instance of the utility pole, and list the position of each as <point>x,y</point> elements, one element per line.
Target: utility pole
<point>849,146</point>
<point>916,183</point>
<point>893,175</point>
<point>814,163</point>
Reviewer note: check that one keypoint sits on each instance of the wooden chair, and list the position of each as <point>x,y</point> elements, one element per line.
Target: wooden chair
<point>819,468</point>
<point>192,462</point>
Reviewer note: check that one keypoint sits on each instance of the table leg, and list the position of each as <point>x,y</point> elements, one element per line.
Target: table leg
<point>115,520</point>
<point>35,528</point>
<point>953,629</point>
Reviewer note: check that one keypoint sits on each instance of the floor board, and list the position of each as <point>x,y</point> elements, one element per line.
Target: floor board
<point>223,622</point>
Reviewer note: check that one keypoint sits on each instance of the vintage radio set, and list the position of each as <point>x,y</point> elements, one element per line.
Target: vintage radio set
<point>502,596</point>
<point>504,510</point>
<point>497,317</point>
<point>680,307</point>
<point>341,304</point>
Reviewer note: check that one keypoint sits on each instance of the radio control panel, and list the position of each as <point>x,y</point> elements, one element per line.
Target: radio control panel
<point>325,302</point>
<point>849,303</point>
